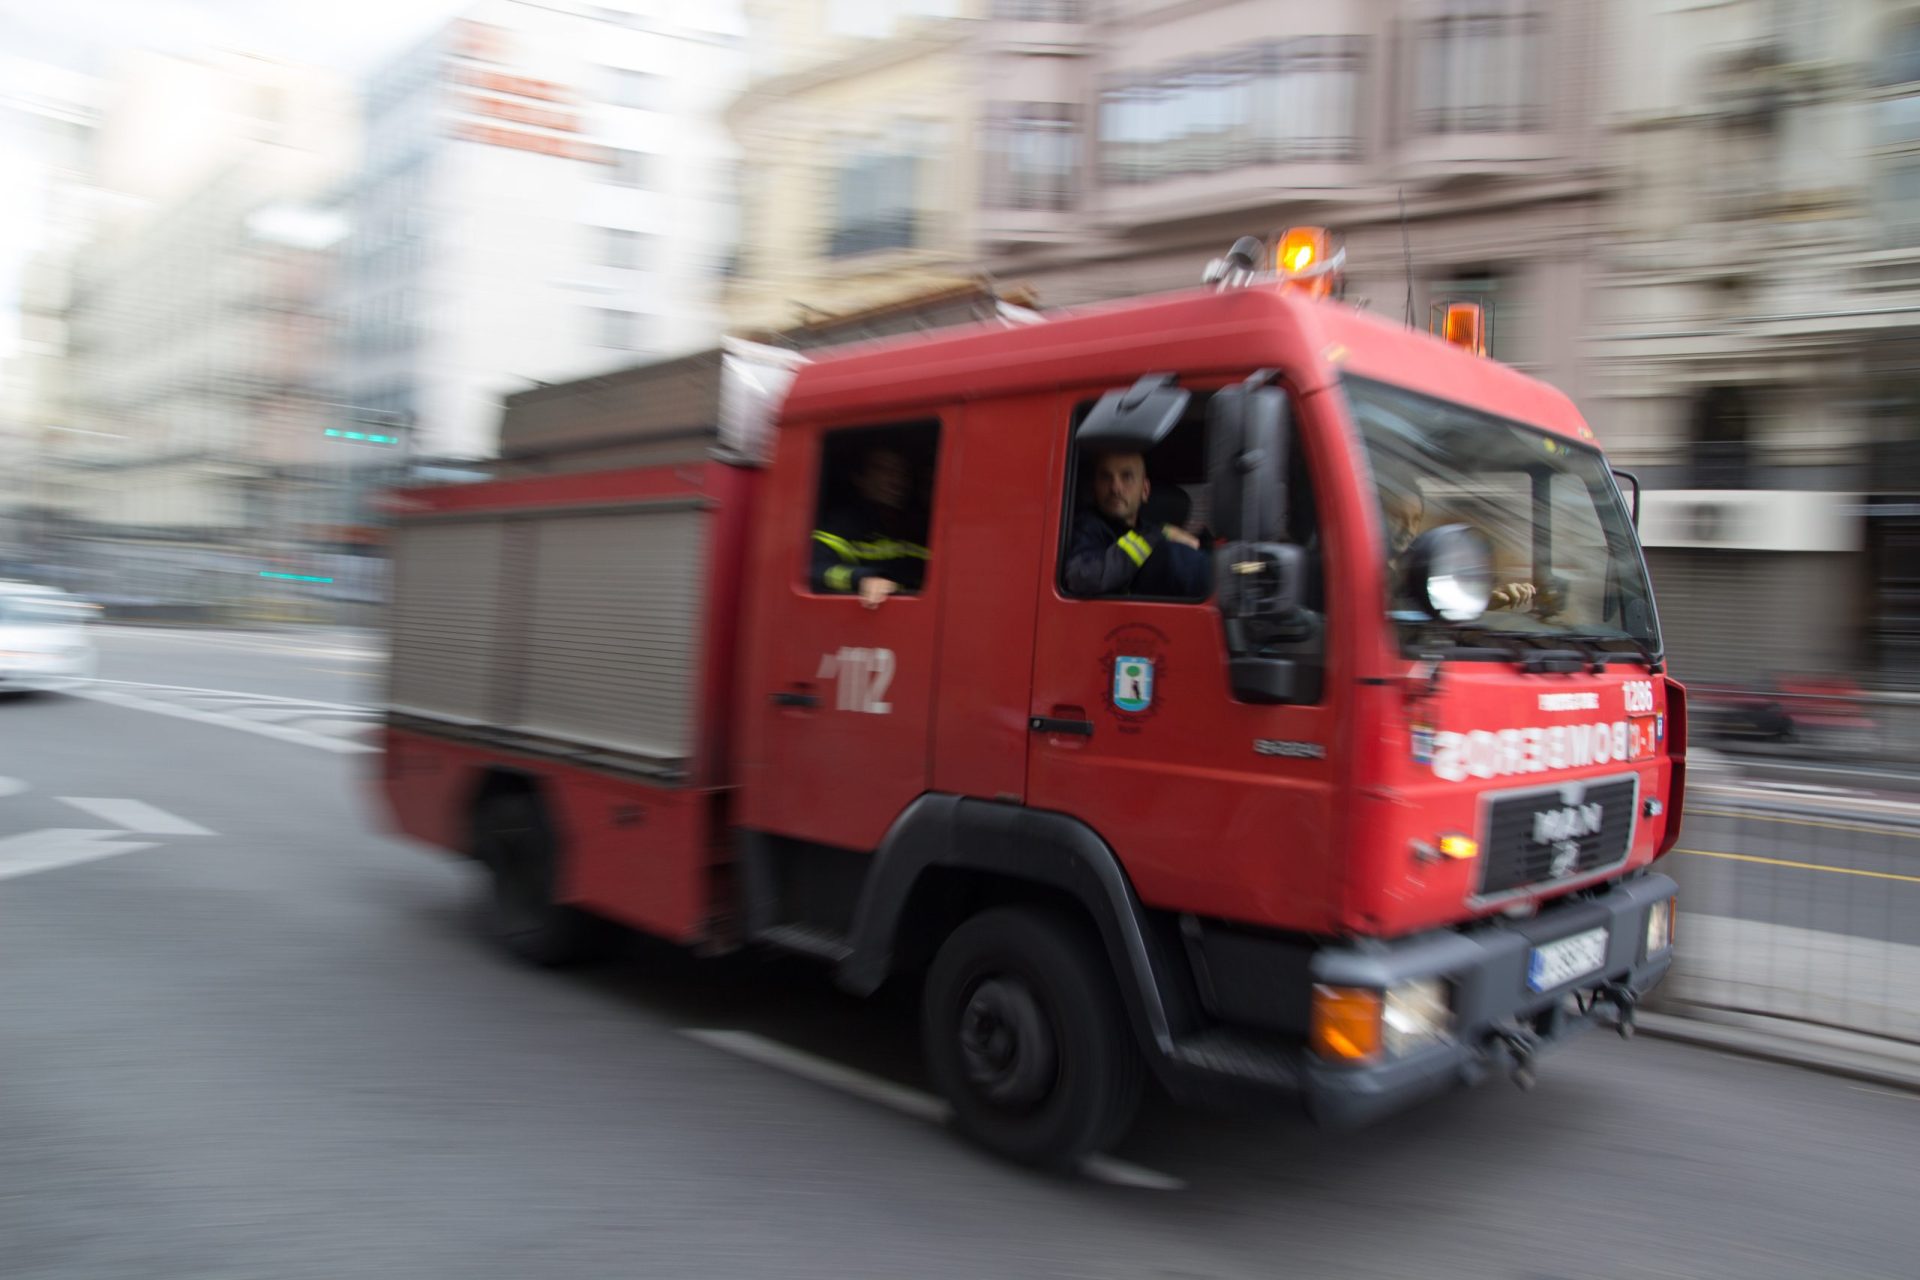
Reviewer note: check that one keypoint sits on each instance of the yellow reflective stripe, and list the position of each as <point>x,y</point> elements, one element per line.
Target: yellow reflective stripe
<point>840,545</point>
<point>1136,547</point>
<point>884,549</point>
<point>839,578</point>
<point>887,550</point>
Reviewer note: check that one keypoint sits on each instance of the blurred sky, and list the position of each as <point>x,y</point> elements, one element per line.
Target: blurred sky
<point>350,36</point>
<point>345,34</point>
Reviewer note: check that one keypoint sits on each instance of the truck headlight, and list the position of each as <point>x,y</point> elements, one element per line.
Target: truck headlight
<point>1416,1014</point>
<point>1660,927</point>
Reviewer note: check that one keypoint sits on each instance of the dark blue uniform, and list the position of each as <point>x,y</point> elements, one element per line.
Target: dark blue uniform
<point>1106,557</point>
<point>855,543</point>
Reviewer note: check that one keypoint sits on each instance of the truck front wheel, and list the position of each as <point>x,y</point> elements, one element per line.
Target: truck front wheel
<point>1025,1035</point>
<point>515,841</point>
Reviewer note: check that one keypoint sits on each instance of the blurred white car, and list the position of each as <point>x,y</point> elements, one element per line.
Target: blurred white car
<point>43,637</point>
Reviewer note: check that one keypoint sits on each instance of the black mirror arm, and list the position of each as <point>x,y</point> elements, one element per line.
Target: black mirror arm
<point>1633,480</point>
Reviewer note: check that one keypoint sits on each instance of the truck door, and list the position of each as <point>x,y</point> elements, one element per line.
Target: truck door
<point>1216,806</point>
<point>839,693</point>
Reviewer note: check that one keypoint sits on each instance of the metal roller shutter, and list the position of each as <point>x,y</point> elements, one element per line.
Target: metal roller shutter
<point>612,629</point>
<point>449,580</point>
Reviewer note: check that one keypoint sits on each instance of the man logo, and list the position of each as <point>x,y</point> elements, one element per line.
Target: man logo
<point>1569,823</point>
<point>1565,859</point>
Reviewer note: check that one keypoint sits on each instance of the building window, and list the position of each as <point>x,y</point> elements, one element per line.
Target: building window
<point>619,330</point>
<point>630,168</point>
<point>1040,10</point>
<point>878,19</point>
<point>1477,68</point>
<point>622,248</point>
<point>1032,152</point>
<point>1278,101</point>
<point>1721,433</point>
<point>876,193</point>
<point>1897,138</point>
<point>641,89</point>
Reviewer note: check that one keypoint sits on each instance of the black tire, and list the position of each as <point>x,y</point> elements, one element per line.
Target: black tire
<point>1025,1035</point>
<point>514,839</point>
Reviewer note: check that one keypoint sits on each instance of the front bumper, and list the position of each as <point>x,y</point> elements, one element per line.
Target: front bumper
<point>1498,1019</point>
<point>1257,988</point>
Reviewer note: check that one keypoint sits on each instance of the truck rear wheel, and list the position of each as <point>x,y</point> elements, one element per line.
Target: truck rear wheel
<point>515,841</point>
<point>1025,1035</point>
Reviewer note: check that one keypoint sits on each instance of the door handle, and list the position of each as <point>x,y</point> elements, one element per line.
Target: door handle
<point>788,699</point>
<point>1052,724</point>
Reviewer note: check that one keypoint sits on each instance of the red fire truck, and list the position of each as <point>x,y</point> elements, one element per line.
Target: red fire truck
<point>1366,819</point>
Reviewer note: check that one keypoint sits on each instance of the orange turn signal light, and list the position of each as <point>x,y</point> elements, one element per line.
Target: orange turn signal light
<point>1464,324</point>
<point>1460,847</point>
<point>1346,1023</point>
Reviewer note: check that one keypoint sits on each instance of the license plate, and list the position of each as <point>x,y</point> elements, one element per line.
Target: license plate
<point>1558,963</point>
<point>1646,736</point>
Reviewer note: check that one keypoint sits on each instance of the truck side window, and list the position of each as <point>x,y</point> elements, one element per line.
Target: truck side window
<point>1136,522</point>
<point>1126,535</point>
<point>872,520</point>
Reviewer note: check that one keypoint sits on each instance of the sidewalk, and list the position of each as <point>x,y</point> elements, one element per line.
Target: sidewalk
<point>1786,972</point>
<point>1890,1064</point>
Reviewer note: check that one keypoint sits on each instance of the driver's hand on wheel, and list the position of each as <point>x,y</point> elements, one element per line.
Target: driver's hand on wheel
<point>1515,595</point>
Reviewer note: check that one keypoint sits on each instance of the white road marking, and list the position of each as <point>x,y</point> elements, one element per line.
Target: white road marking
<point>912,1102</point>
<point>245,640</point>
<point>136,815</point>
<point>121,698</point>
<point>11,786</point>
<point>56,847</point>
<point>1885,1093</point>
<point>237,695</point>
<point>1122,1174</point>
<point>898,1097</point>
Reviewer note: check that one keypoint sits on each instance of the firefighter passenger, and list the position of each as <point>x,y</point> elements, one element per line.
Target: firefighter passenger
<point>867,547</point>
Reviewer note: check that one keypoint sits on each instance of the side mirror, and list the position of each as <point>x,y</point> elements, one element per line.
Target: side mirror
<point>1248,429</point>
<point>1449,573</point>
<point>1274,651</point>
<point>1272,642</point>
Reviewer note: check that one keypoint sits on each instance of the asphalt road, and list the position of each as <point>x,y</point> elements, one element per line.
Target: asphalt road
<point>250,1036</point>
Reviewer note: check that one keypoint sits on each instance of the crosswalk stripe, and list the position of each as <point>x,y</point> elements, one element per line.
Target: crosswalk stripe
<point>237,695</point>
<point>135,815</point>
<point>123,698</point>
<point>56,847</point>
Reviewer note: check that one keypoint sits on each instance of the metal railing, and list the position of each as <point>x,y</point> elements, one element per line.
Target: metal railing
<point>1802,910</point>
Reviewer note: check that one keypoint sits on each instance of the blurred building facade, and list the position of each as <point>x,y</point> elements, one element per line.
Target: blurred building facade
<point>1757,346</point>
<point>1099,148</point>
<point>858,174</point>
<point>548,192</point>
<point>196,337</point>
<point>49,118</point>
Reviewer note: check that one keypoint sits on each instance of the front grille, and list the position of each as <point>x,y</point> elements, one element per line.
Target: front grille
<point>1528,832</point>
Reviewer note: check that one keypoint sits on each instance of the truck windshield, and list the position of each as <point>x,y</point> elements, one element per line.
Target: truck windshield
<point>1566,564</point>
